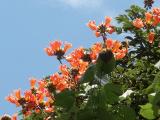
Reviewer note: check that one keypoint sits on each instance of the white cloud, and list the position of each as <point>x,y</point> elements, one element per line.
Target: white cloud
<point>83,3</point>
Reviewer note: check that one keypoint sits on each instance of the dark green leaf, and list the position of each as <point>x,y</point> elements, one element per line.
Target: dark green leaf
<point>85,115</point>
<point>124,113</point>
<point>65,99</point>
<point>112,93</point>
<point>89,74</point>
<point>105,63</point>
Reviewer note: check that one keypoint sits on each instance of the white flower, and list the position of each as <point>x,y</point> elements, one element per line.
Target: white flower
<point>153,94</point>
<point>89,87</point>
<point>157,65</point>
<point>127,93</point>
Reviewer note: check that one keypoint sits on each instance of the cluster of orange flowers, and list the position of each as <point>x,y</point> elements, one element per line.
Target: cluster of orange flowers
<point>151,19</point>
<point>102,28</point>
<point>116,48</point>
<point>37,99</point>
<point>79,60</point>
<point>56,49</point>
<point>41,98</point>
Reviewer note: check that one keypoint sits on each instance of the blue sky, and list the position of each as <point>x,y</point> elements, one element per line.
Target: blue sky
<point>27,26</point>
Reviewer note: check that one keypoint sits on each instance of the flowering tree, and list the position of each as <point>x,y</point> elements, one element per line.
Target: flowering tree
<point>111,80</point>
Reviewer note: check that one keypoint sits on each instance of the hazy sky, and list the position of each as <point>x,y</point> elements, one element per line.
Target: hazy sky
<point>27,26</point>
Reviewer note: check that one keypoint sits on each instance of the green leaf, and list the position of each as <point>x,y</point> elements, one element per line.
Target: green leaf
<point>122,18</point>
<point>157,82</point>
<point>95,108</point>
<point>155,86</point>
<point>156,100</point>
<point>99,114</point>
<point>151,98</point>
<point>149,89</point>
<point>124,113</point>
<point>100,97</point>
<point>64,116</point>
<point>118,30</point>
<point>105,63</point>
<point>95,99</point>
<point>65,99</point>
<point>89,74</point>
<point>112,93</point>
<point>85,115</point>
<point>147,112</point>
<point>35,116</point>
<point>158,51</point>
<point>156,103</point>
<point>103,114</point>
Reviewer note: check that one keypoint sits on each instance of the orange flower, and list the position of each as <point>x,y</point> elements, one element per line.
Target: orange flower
<point>151,37</point>
<point>64,69</point>
<point>27,95</point>
<point>61,86</point>
<point>32,82</point>
<point>59,82</point>
<point>56,49</point>
<point>55,45</point>
<point>37,110</point>
<point>95,50</point>
<point>55,78</point>
<point>148,17</point>
<point>156,20</point>
<point>67,46</point>
<point>116,46</point>
<point>17,94</point>
<point>27,113</point>
<point>14,117</point>
<point>109,43</point>
<point>92,25</point>
<point>49,102</point>
<point>156,11</point>
<point>121,53</point>
<point>79,60</point>
<point>102,28</point>
<point>12,99</point>
<point>75,55</point>
<point>97,34</point>
<point>41,84</point>
<point>107,21</point>
<point>82,66</point>
<point>39,98</point>
<point>119,56</point>
<point>48,109</point>
<point>97,47</point>
<point>110,29</point>
<point>138,23</point>
<point>49,51</point>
